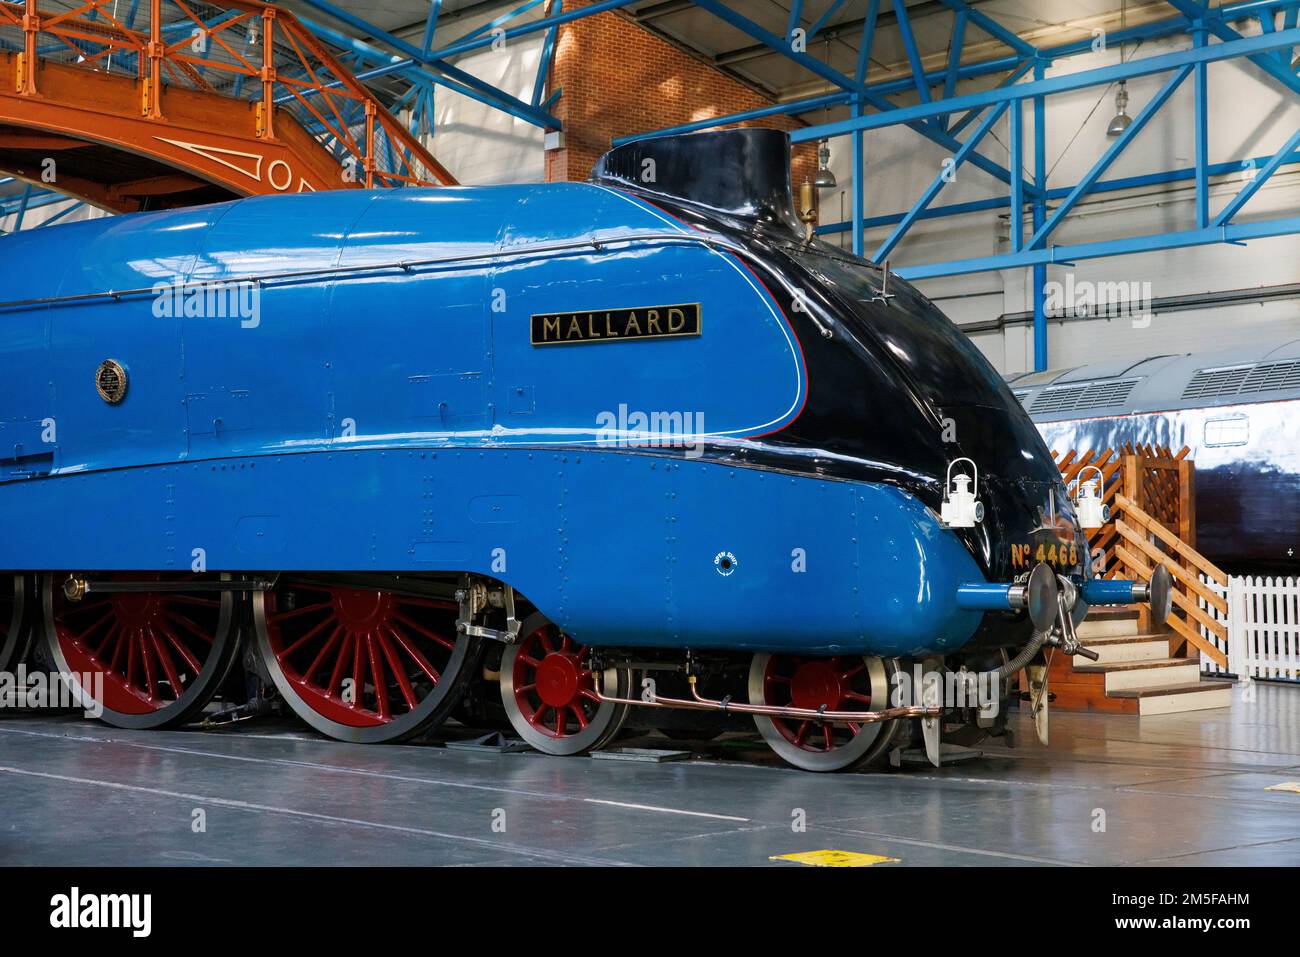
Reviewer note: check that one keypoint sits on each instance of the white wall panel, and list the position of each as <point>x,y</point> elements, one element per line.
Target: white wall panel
<point>1250,116</point>
<point>482,145</point>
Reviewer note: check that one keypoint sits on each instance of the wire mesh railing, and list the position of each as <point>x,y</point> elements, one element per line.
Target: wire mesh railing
<point>239,49</point>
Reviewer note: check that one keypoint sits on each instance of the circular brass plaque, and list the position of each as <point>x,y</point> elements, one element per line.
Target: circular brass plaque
<point>110,381</point>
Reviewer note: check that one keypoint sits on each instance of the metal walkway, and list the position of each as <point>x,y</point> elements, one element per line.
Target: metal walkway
<point>197,104</point>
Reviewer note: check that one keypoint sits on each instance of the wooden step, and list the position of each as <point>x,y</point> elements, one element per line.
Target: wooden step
<point>1127,648</point>
<point>1111,612</point>
<point>1092,698</point>
<point>1109,623</point>
<point>1148,673</point>
<point>1082,691</point>
<point>1151,685</point>
<point>1172,699</point>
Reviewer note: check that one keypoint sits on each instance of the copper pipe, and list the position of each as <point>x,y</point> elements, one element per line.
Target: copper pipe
<point>698,703</point>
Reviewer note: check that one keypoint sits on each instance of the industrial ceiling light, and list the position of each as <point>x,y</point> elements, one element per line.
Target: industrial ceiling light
<point>252,32</point>
<point>1121,120</point>
<point>825,178</point>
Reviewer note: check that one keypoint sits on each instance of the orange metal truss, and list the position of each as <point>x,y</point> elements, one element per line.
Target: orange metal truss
<point>167,108</point>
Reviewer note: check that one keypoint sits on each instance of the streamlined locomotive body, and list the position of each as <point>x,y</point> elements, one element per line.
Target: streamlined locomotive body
<point>639,426</point>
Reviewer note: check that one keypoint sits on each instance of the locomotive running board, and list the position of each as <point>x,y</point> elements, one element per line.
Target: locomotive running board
<point>698,703</point>
<point>75,589</point>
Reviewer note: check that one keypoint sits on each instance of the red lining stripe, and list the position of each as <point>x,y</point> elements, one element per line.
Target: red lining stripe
<point>807,383</point>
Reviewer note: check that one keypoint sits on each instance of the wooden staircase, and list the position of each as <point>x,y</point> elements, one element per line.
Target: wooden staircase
<point>1135,673</point>
<point>1147,667</point>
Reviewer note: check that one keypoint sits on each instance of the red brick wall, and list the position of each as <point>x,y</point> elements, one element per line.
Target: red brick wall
<point>620,79</point>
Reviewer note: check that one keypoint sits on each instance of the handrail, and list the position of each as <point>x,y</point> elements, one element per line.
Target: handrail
<point>1149,553</point>
<point>1134,542</point>
<point>1181,627</point>
<point>1185,551</point>
<point>408,266</point>
<point>289,62</point>
<point>1156,555</point>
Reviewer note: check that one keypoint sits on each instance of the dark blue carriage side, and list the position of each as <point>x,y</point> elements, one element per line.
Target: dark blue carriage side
<point>1234,409</point>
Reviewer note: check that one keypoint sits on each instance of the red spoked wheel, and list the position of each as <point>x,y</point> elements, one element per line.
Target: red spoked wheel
<point>364,665</point>
<point>548,691</point>
<point>141,659</point>
<point>842,683</point>
<point>14,634</point>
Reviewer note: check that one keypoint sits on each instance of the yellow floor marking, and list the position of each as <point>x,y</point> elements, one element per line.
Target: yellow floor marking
<point>835,859</point>
<point>1292,786</point>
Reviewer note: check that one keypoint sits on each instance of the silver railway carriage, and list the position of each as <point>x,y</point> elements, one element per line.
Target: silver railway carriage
<point>1237,409</point>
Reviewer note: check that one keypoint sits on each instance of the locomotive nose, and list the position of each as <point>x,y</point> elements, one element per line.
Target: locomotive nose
<point>963,409</point>
<point>1029,518</point>
<point>1031,522</point>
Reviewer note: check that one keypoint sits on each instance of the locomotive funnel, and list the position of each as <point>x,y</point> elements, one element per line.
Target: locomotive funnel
<point>742,173</point>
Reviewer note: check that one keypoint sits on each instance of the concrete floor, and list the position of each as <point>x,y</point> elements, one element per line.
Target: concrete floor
<point>1180,789</point>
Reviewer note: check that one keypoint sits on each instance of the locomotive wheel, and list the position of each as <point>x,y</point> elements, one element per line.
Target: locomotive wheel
<point>364,665</point>
<point>549,694</point>
<point>14,634</point>
<point>842,683</point>
<point>161,655</point>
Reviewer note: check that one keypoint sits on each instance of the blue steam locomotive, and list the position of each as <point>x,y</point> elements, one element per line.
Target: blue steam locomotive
<point>633,443</point>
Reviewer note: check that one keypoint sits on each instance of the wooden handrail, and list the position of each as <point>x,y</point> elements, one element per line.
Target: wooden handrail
<point>1186,582</point>
<point>1135,542</point>
<point>1185,551</point>
<point>1180,627</point>
<point>1218,628</point>
<point>1195,639</point>
<point>1178,571</point>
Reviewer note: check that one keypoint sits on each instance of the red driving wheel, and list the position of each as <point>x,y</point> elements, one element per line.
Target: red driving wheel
<point>839,683</point>
<point>549,692</point>
<point>814,683</point>
<point>149,659</point>
<point>364,664</point>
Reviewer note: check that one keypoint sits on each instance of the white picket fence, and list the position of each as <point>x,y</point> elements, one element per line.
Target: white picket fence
<point>1263,628</point>
<point>1208,665</point>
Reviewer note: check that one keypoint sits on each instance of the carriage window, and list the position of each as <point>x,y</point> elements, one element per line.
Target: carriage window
<point>1227,430</point>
